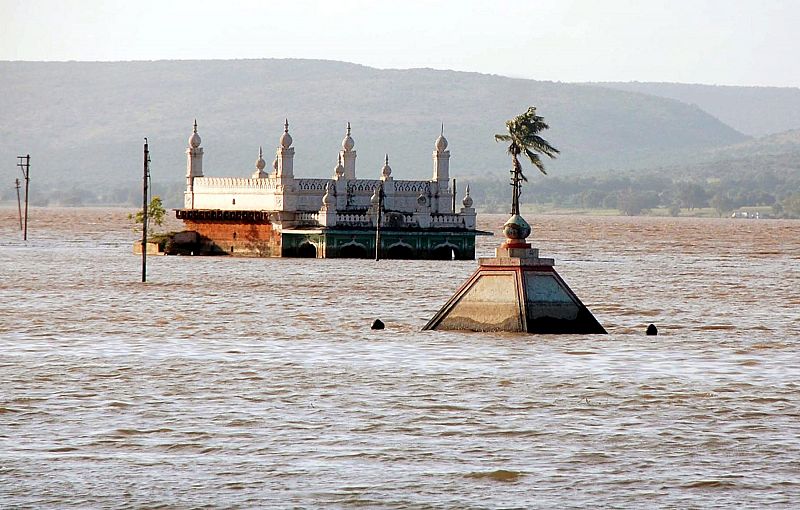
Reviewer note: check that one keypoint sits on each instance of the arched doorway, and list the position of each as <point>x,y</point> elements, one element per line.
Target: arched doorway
<point>307,251</point>
<point>445,252</point>
<point>400,251</point>
<point>353,251</point>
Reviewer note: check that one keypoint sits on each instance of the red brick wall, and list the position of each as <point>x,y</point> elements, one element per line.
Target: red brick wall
<point>235,238</point>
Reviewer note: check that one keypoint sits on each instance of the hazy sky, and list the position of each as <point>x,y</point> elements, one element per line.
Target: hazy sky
<point>731,42</point>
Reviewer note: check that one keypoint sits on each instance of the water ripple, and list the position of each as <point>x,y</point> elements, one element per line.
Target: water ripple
<point>258,383</point>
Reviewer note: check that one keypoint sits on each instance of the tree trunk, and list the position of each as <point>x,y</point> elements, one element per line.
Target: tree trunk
<point>515,184</point>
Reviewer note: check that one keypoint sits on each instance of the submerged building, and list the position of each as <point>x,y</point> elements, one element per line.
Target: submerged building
<point>516,290</point>
<point>275,214</point>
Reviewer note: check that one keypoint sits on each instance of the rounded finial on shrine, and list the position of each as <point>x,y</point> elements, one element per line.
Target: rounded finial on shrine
<point>516,228</point>
<point>376,196</point>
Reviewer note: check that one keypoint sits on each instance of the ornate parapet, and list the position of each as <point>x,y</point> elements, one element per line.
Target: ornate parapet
<point>220,215</point>
<point>353,219</point>
<point>232,184</point>
<point>307,218</point>
<point>412,187</point>
<point>447,220</point>
<point>312,184</point>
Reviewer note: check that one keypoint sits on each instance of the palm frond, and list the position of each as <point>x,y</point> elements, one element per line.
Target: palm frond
<point>539,144</point>
<point>535,160</point>
<point>523,133</point>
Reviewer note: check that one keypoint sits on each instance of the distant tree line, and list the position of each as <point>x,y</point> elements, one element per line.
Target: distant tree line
<point>76,195</point>
<point>629,193</point>
<point>637,193</point>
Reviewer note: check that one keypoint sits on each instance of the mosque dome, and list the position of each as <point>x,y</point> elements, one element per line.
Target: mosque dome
<point>338,171</point>
<point>347,142</point>
<point>386,171</point>
<point>441,142</point>
<point>194,140</point>
<point>467,199</point>
<point>327,198</point>
<point>286,138</point>
<point>260,163</point>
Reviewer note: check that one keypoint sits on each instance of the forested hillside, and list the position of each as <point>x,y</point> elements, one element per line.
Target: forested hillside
<point>763,172</point>
<point>84,123</point>
<point>755,111</point>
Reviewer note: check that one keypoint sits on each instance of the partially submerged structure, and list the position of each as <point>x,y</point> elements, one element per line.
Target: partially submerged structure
<point>275,214</point>
<point>516,290</point>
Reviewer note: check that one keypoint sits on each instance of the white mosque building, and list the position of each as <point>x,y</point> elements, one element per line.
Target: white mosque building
<point>275,214</point>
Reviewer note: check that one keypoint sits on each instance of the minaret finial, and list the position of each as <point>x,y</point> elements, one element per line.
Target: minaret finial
<point>386,161</point>
<point>442,133</point>
<point>286,138</point>
<point>347,141</point>
<point>467,199</point>
<point>194,138</point>
<point>260,152</point>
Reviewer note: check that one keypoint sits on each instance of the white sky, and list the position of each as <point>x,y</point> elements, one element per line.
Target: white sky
<point>727,42</point>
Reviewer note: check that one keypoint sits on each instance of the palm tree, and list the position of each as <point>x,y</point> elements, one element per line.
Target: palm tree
<point>523,133</point>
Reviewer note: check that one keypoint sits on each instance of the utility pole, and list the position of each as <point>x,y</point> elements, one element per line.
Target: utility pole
<point>454,195</point>
<point>19,207</point>
<point>379,191</point>
<point>25,165</point>
<point>144,210</point>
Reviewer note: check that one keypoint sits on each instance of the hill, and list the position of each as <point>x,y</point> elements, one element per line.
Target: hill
<point>761,172</point>
<point>83,122</point>
<point>755,111</point>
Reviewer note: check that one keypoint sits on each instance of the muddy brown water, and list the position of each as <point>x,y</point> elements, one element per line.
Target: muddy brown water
<point>257,383</point>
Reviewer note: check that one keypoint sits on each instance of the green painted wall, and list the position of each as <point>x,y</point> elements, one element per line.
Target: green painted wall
<point>394,244</point>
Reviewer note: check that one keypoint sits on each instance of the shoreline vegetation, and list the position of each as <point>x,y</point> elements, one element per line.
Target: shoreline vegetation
<point>763,212</point>
<point>659,212</point>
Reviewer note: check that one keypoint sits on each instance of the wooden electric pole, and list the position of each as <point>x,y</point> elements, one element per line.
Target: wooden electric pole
<point>144,210</point>
<point>379,191</point>
<point>25,165</point>
<point>454,196</point>
<point>19,207</point>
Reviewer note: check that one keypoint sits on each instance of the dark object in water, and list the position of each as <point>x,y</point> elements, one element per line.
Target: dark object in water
<point>652,330</point>
<point>377,324</point>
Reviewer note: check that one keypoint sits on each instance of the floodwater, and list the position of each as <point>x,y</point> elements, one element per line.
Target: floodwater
<point>257,383</point>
